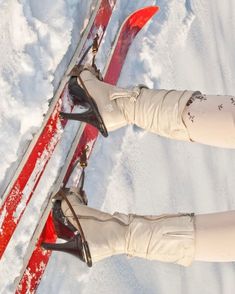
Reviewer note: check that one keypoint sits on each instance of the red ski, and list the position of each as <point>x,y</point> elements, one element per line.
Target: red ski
<point>33,164</point>
<point>38,258</point>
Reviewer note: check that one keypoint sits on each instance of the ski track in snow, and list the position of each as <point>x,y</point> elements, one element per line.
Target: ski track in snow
<point>187,45</point>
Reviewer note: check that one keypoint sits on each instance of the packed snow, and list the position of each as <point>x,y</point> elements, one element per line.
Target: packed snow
<point>188,45</point>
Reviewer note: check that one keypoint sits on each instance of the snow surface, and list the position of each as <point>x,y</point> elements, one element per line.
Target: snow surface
<point>188,45</point>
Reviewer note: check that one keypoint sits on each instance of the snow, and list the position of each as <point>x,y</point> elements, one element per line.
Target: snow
<point>188,45</point>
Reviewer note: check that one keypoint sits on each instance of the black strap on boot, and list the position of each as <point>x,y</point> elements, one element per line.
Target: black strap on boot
<point>83,164</point>
<point>82,96</point>
<point>77,245</point>
<point>88,258</point>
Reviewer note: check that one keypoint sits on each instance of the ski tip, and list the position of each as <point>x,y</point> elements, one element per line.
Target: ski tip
<point>149,11</point>
<point>140,17</point>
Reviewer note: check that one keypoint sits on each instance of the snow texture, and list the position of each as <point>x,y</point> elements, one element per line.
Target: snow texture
<point>188,45</point>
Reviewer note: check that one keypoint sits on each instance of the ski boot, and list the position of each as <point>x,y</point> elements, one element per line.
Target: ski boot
<point>80,96</point>
<point>65,230</point>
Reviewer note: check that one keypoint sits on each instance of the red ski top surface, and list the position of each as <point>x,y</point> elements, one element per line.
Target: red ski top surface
<point>132,25</point>
<point>128,31</point>
<point>21,191</point>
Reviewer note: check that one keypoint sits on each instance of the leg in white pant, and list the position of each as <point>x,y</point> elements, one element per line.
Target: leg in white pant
<point>179,238</point>
<point>168,238</point>
<point>215,237</point>
<point>183,115</point>
<point>158,111</point>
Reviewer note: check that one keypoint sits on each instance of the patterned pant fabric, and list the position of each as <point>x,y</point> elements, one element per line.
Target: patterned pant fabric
<point>210,120</point>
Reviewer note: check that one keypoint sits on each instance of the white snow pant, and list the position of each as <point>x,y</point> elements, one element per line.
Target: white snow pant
<point>183,115</point>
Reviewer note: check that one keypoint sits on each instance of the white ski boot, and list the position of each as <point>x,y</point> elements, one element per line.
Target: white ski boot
<point>110,107</point>
<point>167,238</point>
